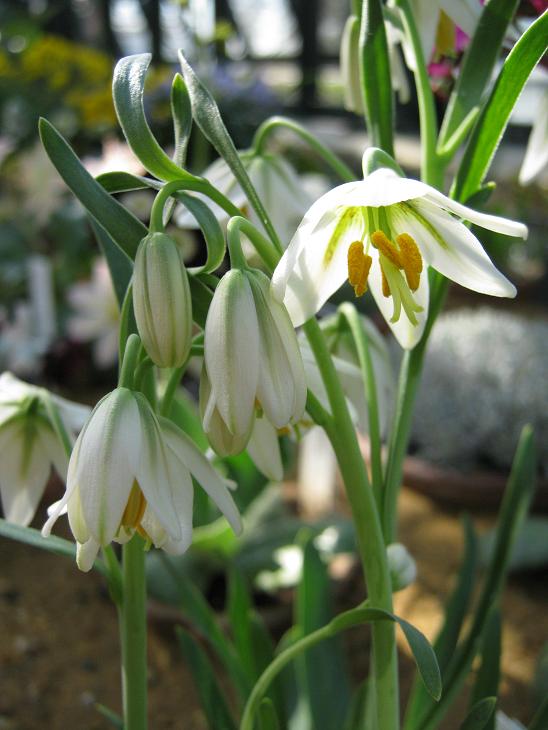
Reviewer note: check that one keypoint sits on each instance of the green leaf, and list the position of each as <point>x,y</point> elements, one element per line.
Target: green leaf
<point>203,618</point>
<point>215,240</point>
<point>125,182</point>
<point>181,110</point>
<point>455,612</point>
<point>208,117</point>
<point>127,92</point>
<point>119,264</point>
<point>488,676</point>
<point>478,64</point>
<point>514,508</point>
<point>239,610</point>
<point>480,714</point>
<point>496,112</point>
<point>375,76</point>
<point>212,699</point>
<point>201,299</point>
<point>124,229</point>
<point>360,715</point>
<point>113,717</point>
<point>323,665</point>
<point>51,544</point>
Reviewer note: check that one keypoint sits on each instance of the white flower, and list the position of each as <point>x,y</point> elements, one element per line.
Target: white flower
<point>97,315</point>
<point>252,360</point>
<point>503,722</point>
<point>162,301</point>
<point>377,232</point>
<point>402,566</point>
<point>129,472</point>
<point>277,185</point>
<point>29,447</point>
<point>536,154</point>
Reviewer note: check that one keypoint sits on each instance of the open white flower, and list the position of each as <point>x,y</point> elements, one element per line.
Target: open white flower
<point>379,232</point>
<point>277,184</point>
<point>252,361</point>
<point>129,472</point>
<point>29,446</point>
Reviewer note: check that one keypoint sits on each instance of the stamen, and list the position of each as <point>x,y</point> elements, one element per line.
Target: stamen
<point>380,240</point>
<point>135,508</point>
<point>411,259</point>
<point>359,265</point>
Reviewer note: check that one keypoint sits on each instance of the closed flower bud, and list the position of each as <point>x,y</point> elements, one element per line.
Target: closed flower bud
<point>161,300</point>
<point>402,566</point>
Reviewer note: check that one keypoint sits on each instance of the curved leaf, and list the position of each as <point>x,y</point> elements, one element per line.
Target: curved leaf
<point>123,227</point>
<point>480,714</point>
<point>494,116</point>
<point>125,182</point>
<point>215,240</point>
<point>479,62</point>
<point>181,110</point>
<point>127,92</point>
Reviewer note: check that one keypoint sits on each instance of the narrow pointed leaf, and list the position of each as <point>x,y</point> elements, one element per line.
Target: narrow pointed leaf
<point>480,714</point>
<point>123,227</point>
<point>201,299</point>
<point>127,91</point>
<point>215,240</point>
<point>125,182</point>
<point>239,610</point>
<point>119,264</point>
<point>496,112</point>
<point>181,110</point>
<point>51,544</point>
<point>375,76</point>
<point>479,62</point>
<point>208,117</point>
<point>488,675</point>
<point>212,699</point>
<point>455,612</point>
<point>268,719</point>
<point>514,508</point>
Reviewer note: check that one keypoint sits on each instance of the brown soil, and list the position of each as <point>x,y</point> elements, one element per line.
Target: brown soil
<point>59,643</point>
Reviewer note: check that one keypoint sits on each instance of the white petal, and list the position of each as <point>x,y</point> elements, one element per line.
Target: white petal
<point>24,474</point>
<point>206,476</point>
<point>536,154</point>
<point>231,351</point>
<point>153,473</point>
<point>405,333</point>
<point>105,467</point>
<point>76,518</point>
<point>460,257</point>
<point>485,220</point>
<point>60,507</point>
<point>221,439</point>
<point>86,554</point>
<point>53,448</point>
<point>427,15</point>
<point>264,449</point>
<point>464,13</point>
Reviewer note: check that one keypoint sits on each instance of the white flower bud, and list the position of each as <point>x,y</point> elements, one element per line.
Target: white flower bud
<point>402,566</point>
<point>162,301</point>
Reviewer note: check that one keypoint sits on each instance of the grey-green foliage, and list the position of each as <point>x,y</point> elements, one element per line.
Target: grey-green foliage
<point>484,378</point>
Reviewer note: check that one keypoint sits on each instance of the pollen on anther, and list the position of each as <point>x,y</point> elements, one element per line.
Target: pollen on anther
<point>411,259</point>
<point>359,265</point>
<point>380,240</point>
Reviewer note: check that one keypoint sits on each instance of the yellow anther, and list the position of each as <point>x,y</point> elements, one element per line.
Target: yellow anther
<point>411,259</point>
<point>385,285</point>
<point>445,36</point>
<point>135,508</point>
<point>380,240</point>
<point>359,264</point>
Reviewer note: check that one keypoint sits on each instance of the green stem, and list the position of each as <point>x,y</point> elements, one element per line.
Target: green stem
<point>371,544</point>
<point>368,374</point>
<point>431,171</point>
<point>262,245</point>
<point>408,384</point>
<point>333,160</point>
<point>133,631</point>
<point>129,363</point>
<point>196,185</point>
<point>171,387</point>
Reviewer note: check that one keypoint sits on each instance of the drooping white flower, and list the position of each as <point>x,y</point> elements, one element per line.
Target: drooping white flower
<point>379,232</point>
<point>252,361</point>
<point>129,472</point>
<point>162,301</point>
<point>96,315</point>
<point>277,184</point>
<point>536,154</point>
<point>402,566</point>
<point>29,446</point>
